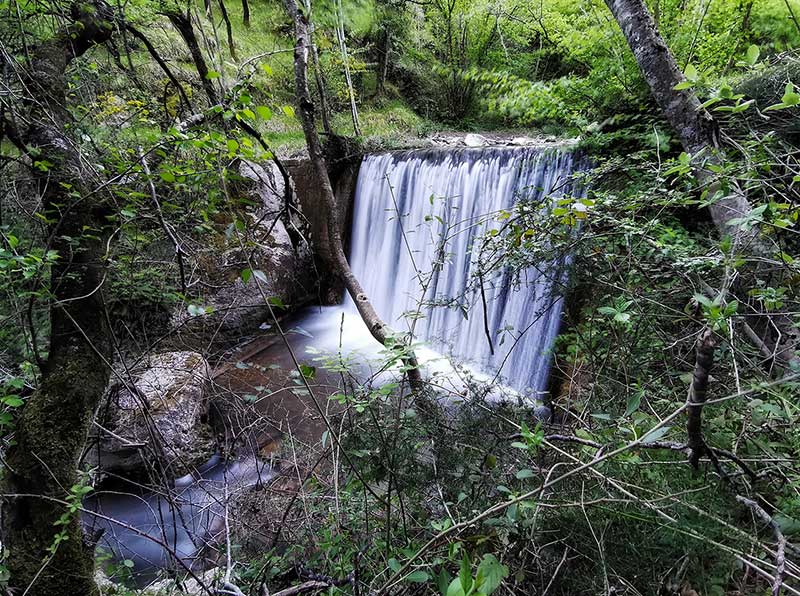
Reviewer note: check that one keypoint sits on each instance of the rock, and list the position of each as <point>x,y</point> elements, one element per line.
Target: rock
<point>164,587</point>
<point>159,419</point>
<point>476,140</point>
<point>542,413</point>
<point>188,586</point>
<point>523,141</point>
<point>274,246</point>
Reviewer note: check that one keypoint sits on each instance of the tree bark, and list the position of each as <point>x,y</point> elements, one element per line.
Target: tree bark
<point>323,96</point>
<point>704,362</point>
<point>379,330</point>
<point>54,423</point>
<point>228,28</point>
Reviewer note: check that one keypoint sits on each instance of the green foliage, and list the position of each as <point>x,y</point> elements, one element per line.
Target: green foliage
<point>74,503</point>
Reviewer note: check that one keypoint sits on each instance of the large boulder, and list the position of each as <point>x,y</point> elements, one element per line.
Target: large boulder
<point>155,423</point>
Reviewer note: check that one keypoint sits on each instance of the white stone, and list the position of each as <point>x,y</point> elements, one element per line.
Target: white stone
<point>475,140</point>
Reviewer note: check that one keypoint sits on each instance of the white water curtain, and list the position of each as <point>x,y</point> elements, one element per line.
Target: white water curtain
<point>406,201</point>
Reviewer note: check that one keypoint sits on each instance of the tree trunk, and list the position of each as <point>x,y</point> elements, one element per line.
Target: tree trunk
<point>383,62</point>
<point>698,133</point>
<point>228,28</point>
<point>323,96</point>
<point>246,13</point>
<point>182,22</point>
<point>694,125</point>
<point>54,423</point>
<point>379,330</point>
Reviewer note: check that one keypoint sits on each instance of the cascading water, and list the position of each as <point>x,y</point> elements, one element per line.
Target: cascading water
<point>417,208</point>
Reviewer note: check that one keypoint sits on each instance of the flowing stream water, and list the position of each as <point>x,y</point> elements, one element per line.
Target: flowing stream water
<point>418,223</point>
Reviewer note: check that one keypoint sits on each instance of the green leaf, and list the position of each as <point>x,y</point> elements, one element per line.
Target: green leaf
<point>752,54</point>
<point>465,575</point>
<point>276,302</point>
<point>246,275</point>
<point>601,416</point>
<point>789,525</point>
<point>703,300</point>
<point>212,74</point>
<point>622,317</point>
<point>455,588</point>
<point>394,565</point>
<point>790,98</point>
<point>12,401</point>
<point>443,581</point>
<point>264,112</point>
<point>650,437</point>
<point>167,176</point>
<point>289,111</point>
<point>691,73</point>
<point>417,577</point>
<point>634,401</point>
<point>490,574</point>
<point>232,145</point>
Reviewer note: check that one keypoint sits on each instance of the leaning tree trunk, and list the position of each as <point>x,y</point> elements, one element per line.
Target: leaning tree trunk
<point>379,330</point>
<point>54,423</point>
<point>183,24</point>
<point>695,127</point>
<point>698,133</point>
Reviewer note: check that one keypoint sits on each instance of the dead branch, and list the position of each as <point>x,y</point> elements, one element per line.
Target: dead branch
<point>780,539</point>
<point>160,61</point>
<point>164,225</point>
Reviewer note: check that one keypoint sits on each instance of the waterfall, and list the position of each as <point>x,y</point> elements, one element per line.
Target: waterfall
<point>412,206</point>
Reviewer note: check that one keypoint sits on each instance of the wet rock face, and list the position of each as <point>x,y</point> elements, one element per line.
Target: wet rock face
<point>273,242</point>
<point>158,423</point>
